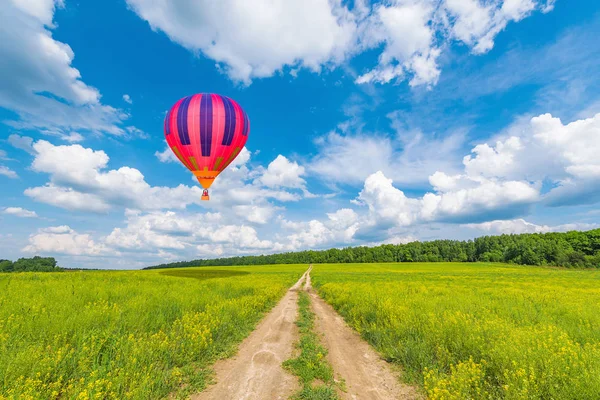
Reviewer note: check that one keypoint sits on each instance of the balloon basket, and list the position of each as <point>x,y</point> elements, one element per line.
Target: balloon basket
<point>205,197</point>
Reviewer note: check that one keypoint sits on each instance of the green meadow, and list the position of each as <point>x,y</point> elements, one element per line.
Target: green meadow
<point>476,330</point>
<point>127,335</point>
<point>457,330</point>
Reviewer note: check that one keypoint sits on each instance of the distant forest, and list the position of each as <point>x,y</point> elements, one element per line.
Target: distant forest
<point>34,264</point>
<point>571,249</point>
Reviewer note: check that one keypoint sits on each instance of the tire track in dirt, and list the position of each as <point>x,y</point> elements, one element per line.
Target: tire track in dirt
<point>365,374</point>
<point>256,371</point>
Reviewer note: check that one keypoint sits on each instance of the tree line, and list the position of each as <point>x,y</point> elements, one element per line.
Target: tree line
<point>34,264</point>
<point>570,249</point>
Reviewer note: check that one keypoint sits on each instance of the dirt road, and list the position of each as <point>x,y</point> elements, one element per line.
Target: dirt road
<point>256,371</point>
<point>366,375</point>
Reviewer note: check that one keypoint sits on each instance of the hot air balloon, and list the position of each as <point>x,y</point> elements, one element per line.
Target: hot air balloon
<point>206,132</point>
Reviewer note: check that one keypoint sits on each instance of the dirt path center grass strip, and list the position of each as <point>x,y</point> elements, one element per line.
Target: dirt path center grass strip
<point>311,366</point>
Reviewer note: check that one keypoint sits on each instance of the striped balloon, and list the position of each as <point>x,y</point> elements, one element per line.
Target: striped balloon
<point>206,132</point>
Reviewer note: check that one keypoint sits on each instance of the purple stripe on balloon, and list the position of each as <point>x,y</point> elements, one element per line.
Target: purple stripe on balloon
<point>229,122</point>
<point>246,124</point>
<point>182,121</point>
<point>206,122</point>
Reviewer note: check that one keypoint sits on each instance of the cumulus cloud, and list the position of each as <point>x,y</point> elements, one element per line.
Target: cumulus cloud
<point>473,201</point>
<point>406,30</point>
<point>255,213</point>
<point>500,181</point>
<point>166,156</point>
<point>38,81</point>
<point>339,227</point>
<point>64,240</point>
<point>127,99</point>
<point>258,38</point>
<point>479,199</point>
<point>545,149</point>
<point>195,234</point>
<point>19,212</point>
<point>68,198</point>
<point>79,179</point>
<point>415,32</point>
<point>255,38</point>
<point>282,172</point>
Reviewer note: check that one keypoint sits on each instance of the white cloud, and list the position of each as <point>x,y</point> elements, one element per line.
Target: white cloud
<point>270,36</point>
<point>38,81</point>
<point>64,240</point>
<point>477,23</point>
<point>127,99</point>
<point>67,198</point>
<point>545,149</point>
<point>240,185</point>
<point>416,31</point>
<point>19,212</point>
<point>9,173</point>
<point>192,234</point>
<point>517,226</point>
<point>339,227</point>
<point>458,198</point>
<point>282,172</point>
<point>577,143</point>
<point>405,28</point>
<point>208,250</point>
<point>79,180</point>
<point>255,38</point>
<point>499,181</point>
<point>166,156</point>
<point>254,213</point>
<point>56,229</point>
<point>386,203</point>
<point>484,199</point>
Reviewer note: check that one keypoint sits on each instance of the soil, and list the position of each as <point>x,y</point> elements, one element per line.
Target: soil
<point>256,371</point>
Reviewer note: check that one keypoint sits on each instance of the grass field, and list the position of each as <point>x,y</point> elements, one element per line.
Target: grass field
<point>134,334</point>
<point>461,331</point>
<point>311,366</point>
<point>476,331</point>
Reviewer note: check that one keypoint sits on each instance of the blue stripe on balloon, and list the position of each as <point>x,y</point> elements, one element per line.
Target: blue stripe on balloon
<point>229,122</point>
<point>182,121</point>
<point>206,117</point>
<point>246,125</point>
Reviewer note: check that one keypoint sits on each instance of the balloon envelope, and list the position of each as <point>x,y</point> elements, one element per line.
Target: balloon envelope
<point>206,132</point>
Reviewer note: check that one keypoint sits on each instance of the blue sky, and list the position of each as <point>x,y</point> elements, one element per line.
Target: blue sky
<point>371,122</point>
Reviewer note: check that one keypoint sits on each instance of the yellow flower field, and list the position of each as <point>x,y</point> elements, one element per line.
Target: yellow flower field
<point>476,331</point>
<point>130,334</point>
